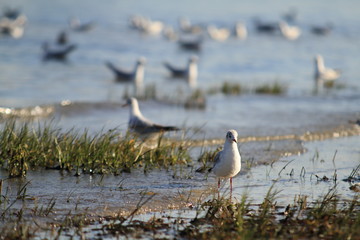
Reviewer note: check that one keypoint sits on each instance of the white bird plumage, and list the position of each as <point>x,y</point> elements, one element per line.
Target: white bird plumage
<point>228,161</point>
<point>323,73</point>
<point>289,32</point>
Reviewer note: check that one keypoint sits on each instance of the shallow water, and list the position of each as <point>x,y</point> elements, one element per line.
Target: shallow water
<point>296,175</point>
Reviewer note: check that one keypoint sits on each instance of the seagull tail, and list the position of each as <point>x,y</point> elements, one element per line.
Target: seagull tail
<point>110,66</point>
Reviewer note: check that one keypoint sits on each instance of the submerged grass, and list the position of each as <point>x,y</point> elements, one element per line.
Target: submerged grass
<point>23,148</point>
<point>273,89</point>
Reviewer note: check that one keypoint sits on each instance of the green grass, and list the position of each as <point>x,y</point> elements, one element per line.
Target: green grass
<point>227,88</point>
<point>24,147</point>
<point>273,89</point>
<point>326,218</point>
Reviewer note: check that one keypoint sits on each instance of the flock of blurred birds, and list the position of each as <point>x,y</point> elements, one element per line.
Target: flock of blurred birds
<point>188,36</point>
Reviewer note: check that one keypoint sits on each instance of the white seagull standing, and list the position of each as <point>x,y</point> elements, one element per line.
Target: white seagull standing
<point>323,73</point>
<point>141,125</point>
<point>228,161</point>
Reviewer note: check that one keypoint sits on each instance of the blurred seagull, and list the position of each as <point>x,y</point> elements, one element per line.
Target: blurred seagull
<point>187,27</point>
<point>289,32</point>
<point>141,125</point>
<point>62,38</point>
<point>137,75</point>
<point>11,13</point>
<point>146,25</point>
<point>76,25</point>
<point>59,49</point>
<point>264,27</point>
<point>190,42</point>
<point>240,30</point>
<point>322,30</point>
<point>190,72</point>
<point>228,161</point>
<point>323,73</point>
<point>218,34</point>
<point>290,15</point>
<point>13,27</point>
<point>57,52</point>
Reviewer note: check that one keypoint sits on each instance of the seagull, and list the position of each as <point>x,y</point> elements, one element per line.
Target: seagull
<point>218,34</point>
<point>240,30</point>
<point>323,73</point>
<point>187,27</point>
<point>322,30</point>
<point>290,15</point>
<point>137,75</point>
<point>289,32</point>
<point>228,161</point>
<point>263,27</point>
<point>13,27</point>
<point>146,25</point>
<point>190,72</point>
<point>190,42</point>
<point>76,25</point>
<point>59,49</point>
<point>58,52</point>
<point>141,125</point>
<point>62,38</point>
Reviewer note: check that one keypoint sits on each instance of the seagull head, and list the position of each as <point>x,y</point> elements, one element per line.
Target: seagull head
<point>231,136</point>
<point>134,106</point>
<point>141,61</point>
<point>193,59</point>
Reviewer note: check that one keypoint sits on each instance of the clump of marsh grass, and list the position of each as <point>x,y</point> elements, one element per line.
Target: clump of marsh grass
<point>227,88</point>
<point>196,100</point>
<point>272,89</point>
<point>23,148</point>
<point>326,218</point>
<point>231,88</point>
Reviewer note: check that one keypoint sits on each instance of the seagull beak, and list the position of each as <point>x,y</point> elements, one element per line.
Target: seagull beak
<point>234,140</point>
<point>125,105</point>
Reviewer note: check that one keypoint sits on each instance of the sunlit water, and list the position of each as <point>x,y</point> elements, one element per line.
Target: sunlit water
<point>93,99</point>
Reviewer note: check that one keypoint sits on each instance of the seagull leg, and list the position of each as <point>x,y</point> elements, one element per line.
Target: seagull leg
<point>230,188</point>
<point>218,188</point>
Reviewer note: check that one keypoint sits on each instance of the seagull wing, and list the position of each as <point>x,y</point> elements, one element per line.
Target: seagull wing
<point>120,75</point>
<point>174,70</point>
<point>216,160</point>
<point>144,126</point>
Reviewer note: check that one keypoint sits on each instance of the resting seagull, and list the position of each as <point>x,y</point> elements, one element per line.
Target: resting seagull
<point>228,161</point>
<point>137,75</point>
<point>190,72</point>
<point>141,125</point>
<point>323,73</point>
<point>289,32</point>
